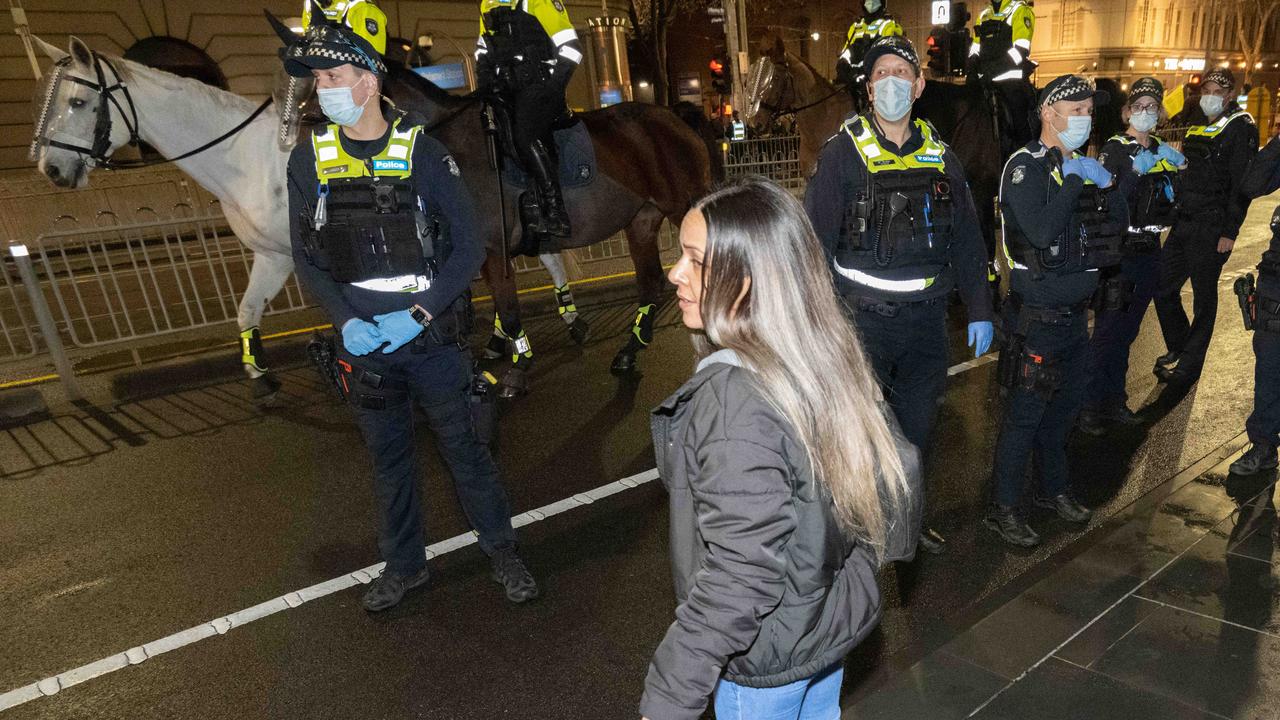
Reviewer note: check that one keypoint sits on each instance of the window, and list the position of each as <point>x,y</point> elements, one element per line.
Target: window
<point>1144,10</point>
<point>178,57</point>
<point>1070,23</point>
<point>1194,41</point>
<point>1175,29</point>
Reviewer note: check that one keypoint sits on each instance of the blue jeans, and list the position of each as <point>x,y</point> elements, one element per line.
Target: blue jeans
<point>815,698</point>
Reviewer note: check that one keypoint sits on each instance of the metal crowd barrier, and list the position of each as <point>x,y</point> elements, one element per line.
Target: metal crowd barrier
<point>777,158</point>
<point>86,284</point>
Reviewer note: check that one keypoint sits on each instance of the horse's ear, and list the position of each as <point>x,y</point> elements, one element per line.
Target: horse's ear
<point>53,52</point>
<point>287,36</point>
<point>80,52</point>
<point>779,47</point>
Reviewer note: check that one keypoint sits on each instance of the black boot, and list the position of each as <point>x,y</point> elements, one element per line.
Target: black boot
<point>1257,459</point>
<point>1006,523</point>
<point>544,167</point>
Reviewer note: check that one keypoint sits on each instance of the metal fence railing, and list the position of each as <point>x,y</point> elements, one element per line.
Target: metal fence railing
<point>777,158</point>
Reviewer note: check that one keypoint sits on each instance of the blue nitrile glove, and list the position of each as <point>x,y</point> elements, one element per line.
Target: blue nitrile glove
<point>1167,152</point>
<point>1093,170</point>
<point>397,328</point>
<point>1072,166</point>
<point>1144,161</point>
<point>980,334</point>
<point>360,337</point>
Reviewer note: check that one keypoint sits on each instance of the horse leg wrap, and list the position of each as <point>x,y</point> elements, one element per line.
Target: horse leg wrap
<point>523,355</point>
<point>497,346</point>
<point>251,349</point>
<point>564,301</point>
<point>642,329</point>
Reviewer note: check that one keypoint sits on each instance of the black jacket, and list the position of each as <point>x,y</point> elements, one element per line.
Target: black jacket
<point>1210,189</point>
<point>1263,178</point>
<point>770,589</point>
<point>1043,211</point>
<point>443,192</point>
<point>841,175</point>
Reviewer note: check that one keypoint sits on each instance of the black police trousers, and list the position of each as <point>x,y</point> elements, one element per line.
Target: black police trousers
<point>1263,424</point>
<point>908,352</point>
<point>1114,332</point>
<point>1190,253</point>
<point>439,380</point>
<point>1036,422</point>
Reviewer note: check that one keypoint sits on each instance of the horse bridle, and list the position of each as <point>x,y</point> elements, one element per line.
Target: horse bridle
<point>102,122</point>
<point>98,153</point>
<point>790,85</point>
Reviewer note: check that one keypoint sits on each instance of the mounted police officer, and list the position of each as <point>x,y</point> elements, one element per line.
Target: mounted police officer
<point>890,203</point>
<point>1263,304</point>
<point>1001,55</point>
<point>1146,169</point>
<point>874,24</point>
<point>384,238</point>
<point>1062,223</point>
<point>1211,208</point>
<point>528,50</point>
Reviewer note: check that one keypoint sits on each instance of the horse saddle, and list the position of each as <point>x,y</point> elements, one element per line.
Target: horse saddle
<point>577,159</point>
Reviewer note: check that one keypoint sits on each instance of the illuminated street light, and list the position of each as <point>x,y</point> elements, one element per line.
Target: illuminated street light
<point>1130,63</point>
<point>1257,65</point>
<point>815,37</point>
<point>643,84</point>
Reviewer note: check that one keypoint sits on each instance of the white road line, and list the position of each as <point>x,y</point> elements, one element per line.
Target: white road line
<point>220,626</point>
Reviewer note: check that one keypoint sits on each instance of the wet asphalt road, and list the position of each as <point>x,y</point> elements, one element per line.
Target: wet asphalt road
<point>180,502</point>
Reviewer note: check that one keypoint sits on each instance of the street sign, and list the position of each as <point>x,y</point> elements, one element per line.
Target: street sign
<point>941,12</point>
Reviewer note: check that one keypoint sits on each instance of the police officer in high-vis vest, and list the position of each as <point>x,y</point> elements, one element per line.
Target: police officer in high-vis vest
<point>1001,54</point>
<point>1263,306</point>
<point>1063,222</point>
<point>384,238</point>
<point>1211,208</point>
<point>874,24</point>
<point>890,203</point>
<point>528,50</point>
<point>1146,169</point>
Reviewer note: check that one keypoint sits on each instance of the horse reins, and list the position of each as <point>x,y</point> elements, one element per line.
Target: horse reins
<point>102,123</point>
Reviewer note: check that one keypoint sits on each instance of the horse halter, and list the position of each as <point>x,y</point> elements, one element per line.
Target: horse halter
<point>102,123</point>
<point>783,106</point>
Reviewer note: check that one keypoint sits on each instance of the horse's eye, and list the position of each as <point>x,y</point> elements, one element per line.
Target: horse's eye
<point>77,103</point>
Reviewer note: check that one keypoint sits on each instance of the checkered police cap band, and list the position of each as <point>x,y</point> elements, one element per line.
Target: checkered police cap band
<point>1071,87</point>
<point>1146,87</point>
<point>331,44</point>
<point>1221,76</point>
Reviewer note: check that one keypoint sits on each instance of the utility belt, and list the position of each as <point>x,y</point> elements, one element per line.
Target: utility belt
<point>372,390</point>
<point>886,308</point>
<point>1140,242</point>
<point>1020,367</point>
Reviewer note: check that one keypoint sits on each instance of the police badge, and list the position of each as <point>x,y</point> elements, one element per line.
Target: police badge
<point>453,166</point>
<point>559,6</point>
<point>1018,173</point>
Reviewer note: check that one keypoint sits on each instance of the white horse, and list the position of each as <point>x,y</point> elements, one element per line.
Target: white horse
<point>246,172</point>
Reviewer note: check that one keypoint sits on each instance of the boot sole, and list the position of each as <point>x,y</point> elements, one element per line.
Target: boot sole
<point>995,527</point>
<point>1253,470</point>
<point>1050,506</point>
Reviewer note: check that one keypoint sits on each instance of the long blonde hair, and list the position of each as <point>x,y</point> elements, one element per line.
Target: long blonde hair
<point>788,328</point>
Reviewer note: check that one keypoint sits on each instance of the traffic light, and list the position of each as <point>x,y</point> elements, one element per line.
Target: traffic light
<point>939,51</point>
<point>960,39</point>
<point>721,75</point>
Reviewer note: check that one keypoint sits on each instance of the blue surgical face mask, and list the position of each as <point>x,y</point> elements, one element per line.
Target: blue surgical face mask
<point>1077,132</point>
<point>893,98</point>
<point>339,105</point>
<point>1144,121</point>
<point>1212,105</point>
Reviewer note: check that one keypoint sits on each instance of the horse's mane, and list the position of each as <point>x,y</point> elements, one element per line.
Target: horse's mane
<point>817,76</point>
<point>131,70</point>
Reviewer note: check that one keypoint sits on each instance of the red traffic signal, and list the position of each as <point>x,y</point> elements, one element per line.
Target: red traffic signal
<point>717,66</point>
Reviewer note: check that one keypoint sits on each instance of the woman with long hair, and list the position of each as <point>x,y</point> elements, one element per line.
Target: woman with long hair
<point>788,485</point>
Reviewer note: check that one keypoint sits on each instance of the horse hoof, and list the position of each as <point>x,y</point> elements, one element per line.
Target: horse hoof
<point>514,384</point>
<point>580,331</point>
<point>624,363</point>
<point>264,387</point>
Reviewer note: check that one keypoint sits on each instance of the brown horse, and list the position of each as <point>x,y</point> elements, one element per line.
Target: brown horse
<point>651,167</point>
